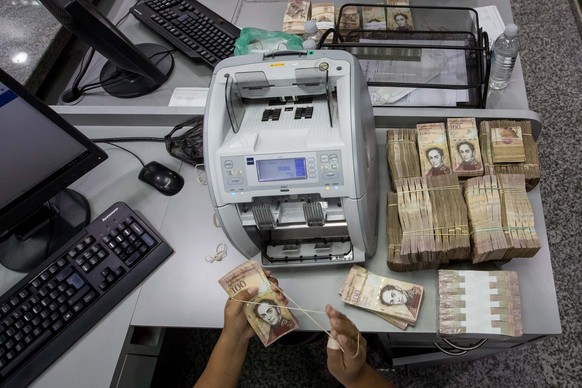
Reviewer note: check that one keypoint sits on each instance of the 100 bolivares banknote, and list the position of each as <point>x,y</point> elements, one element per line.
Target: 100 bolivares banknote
<point>268,317</point>
<point>382,295</point>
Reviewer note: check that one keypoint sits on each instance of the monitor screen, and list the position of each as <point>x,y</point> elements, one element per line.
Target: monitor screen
<point>40,155</point>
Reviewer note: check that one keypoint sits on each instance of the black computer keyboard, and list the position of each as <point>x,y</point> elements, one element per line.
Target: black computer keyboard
<point>53,306</point>
<point>191,27</point>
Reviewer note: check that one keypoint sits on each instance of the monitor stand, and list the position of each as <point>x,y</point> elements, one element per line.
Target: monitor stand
<point>29,243</point>
<point>126,84</point>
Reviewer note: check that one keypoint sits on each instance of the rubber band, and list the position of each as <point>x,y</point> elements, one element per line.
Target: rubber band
<point>430,189</point>
<point>199,178</point>
<point>219,255</point>
<point>402,141</point>
<point>299,308</point>
<point>503,228</point>
<point>357,347</point>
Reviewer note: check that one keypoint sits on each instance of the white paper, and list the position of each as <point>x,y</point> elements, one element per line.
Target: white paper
<point>189,96</point>
<point>491,22</point>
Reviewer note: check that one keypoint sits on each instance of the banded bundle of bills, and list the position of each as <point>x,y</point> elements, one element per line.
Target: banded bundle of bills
<point>482,303</point>
<point>506,141</point>
<point>323,14</point>
<point>501,218</point>
<point>530,167</point>
<point>296,14</point>
<point>402,154</point>
<point>374,17</point>
<point>395,301</point>
<point>349,21</point>
<point>433,149</point>
<point>268,317</point>
<point>399,19</point>
<point>431,224</point>
<point>464,147</point>
<point>395,261</point>
<point>483,198</point>
<point>518,217</point>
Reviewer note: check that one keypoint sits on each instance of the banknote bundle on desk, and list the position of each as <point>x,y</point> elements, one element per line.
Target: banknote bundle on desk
<point>394,301</point>
<point>461,149</point>
<point>459,193</point>
<point>356,17</point>
<point>479,303</point>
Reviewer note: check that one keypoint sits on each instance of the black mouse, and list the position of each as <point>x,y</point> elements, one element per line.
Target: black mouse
<point>161,178</point>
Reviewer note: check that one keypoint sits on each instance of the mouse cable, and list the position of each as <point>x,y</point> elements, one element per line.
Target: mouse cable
<point>123,148</point>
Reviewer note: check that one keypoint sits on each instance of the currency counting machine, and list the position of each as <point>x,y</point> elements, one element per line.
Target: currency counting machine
<point>291,158</point>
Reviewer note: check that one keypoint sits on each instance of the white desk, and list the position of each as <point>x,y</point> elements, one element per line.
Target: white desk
<point>184,291</point>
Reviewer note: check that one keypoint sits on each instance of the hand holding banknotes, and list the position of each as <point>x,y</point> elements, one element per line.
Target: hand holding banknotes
<point>228,356</point>
<point>236,324</point>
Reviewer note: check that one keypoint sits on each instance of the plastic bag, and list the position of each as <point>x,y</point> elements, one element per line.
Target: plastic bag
<point>255,40</point>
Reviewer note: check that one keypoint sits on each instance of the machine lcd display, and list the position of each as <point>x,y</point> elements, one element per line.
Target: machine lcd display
<point>269,170</point>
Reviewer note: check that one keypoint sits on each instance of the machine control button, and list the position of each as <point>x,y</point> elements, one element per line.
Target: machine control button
<point>330,175</point>
<point>334,166</point>
<point>313,176</point>
<point>333,158</point>
<point>324,158</point>
<point>228,164</point>
<point>235,181</point>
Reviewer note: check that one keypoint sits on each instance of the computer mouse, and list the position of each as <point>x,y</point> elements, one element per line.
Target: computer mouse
<point>161,178</point>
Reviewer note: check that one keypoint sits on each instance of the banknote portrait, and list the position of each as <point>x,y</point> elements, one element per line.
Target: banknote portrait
<point>394,295</point>
<point>468,155</point>
<point>271,313</point>
<point>435,156</point>
<point>402,22</point>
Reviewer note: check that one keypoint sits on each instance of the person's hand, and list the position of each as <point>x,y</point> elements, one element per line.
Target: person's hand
<point>346,366</point>
<point>236,325</point>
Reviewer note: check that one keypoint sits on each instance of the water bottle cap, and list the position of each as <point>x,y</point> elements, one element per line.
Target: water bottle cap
<point>310,27</point>
<point>511,30</point>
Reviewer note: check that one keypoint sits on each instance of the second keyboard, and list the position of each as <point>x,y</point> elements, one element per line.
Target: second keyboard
<point>191,27</point>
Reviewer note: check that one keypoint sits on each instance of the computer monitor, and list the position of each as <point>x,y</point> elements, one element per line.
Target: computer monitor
<point>132,70</point>
<point>41,154</point>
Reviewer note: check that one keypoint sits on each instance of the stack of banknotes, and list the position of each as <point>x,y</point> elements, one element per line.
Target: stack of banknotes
<point>395,301</point>
<point>433,149</point>
<point>464,147</point>
<point>268,317</point>
<point>527,162</point>
<point>296,14</point>
<point>501,218</point>
<point>479,303</point>
<point>402,154</point>
<point>427,223</point>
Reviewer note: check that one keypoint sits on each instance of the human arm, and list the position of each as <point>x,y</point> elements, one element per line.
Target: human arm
<point>226,361</point>
<point>349,367</point>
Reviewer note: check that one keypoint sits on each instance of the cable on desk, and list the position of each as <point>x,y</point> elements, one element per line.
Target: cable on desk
<point>75,92</point>
<point>114,77</point>
<point>123,148</point>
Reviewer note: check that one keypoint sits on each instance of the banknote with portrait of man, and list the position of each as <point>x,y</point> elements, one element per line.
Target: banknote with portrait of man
<point>268,317</point>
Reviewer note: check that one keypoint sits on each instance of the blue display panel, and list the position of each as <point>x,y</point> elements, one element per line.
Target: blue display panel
<point>270,170</point>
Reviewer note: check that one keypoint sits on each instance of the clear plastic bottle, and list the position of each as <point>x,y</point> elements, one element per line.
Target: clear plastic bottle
<point>311,35</point>
<point>505,50</point>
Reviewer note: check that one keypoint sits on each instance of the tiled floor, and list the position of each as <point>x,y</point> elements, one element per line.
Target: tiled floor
<point>552,63</point>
